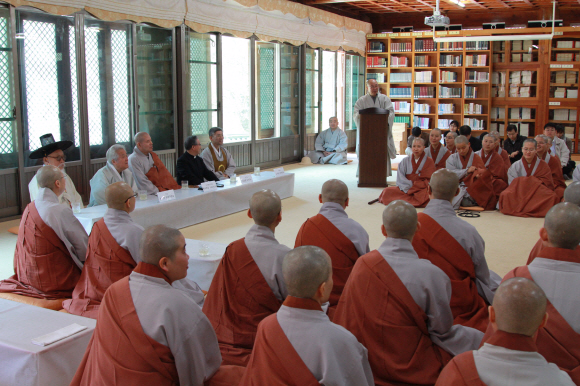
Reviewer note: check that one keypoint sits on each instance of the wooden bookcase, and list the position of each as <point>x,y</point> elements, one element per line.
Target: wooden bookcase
<point>526,83</point>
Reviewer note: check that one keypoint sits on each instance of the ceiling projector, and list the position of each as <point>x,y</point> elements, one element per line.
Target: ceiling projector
<point>437,20</point>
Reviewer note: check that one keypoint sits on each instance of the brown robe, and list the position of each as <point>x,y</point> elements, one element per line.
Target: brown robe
<point>160,176</point>
<point>120,353</point>
<point>537,251</point>
<point>461,371</point>
<point>389,324</point>
<point>443,162</point>
<point>557,175</point>
<point>319,231</point>
<point>479,184</point>
<point>238,299</point>
<point>43,266</point>
<point>506,158</point>
<point>490,184</point>
<point>557,341</point>
<point>219,166</point>
<point>432,242</point>
<point>530,196</point>
<point>107,262</point>
<point>274,360</point>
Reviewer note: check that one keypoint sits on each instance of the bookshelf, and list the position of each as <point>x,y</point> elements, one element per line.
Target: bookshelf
<point>487,85</point>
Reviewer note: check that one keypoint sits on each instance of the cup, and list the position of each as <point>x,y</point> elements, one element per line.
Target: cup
<point>143,195</point>
<point>184,184</point>
<point>203,250</point>
<point>233,179</point>
<point>257,170</point>
<point>76,207</point>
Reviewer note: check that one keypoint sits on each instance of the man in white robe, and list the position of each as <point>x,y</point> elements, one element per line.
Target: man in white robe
<point>330,145</point>
<point>141,161</point>
<point>374,99</point>
<point>116,170</point>
<point>218,159</point>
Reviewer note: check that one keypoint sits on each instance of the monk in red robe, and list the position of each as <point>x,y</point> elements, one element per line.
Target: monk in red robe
<point>531,188</point>
<point>149,332</point>
<point>510,356</point>
<point>412,178</point>
<point>341,237</point>
<point>107,261</point>
<point>248,285</point>
<point>504,155</point>
<point>436,151</point>
<point>397,306</point>
<point>284,353</point>
<point>51,245</point>
<point>495,165</point>
<point>544,143</point>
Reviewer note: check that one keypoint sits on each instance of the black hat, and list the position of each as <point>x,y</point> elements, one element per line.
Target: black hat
<point>49,146</point>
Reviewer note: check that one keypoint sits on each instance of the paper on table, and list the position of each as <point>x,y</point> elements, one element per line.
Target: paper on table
<point>57,335</point>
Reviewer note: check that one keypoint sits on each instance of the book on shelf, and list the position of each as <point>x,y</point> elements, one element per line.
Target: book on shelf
<point>401,77</point>
<point>380,77</point>
<point>567,44</point>
<point>402,119</point>
<point>423,76</point>
<point>527,77</point>
<point>572,93</point>
<point>446,108</point>
<point>527,45</point>
<point>498,77</point>
<point>476,46</point>
<point>449,92</point>
<point>401,47</point>
<point>497,113</point>
<point>524,129</point>
<point>498,92</point>
<point>422,122</point>
<point>375,61</point>
<point>475,124</point>
<point>472,108</point>
<point>499,127</point>
<point>424,92</point>
<point>570,132</point>
<point>476,76</point>
<point>560,92</point>
<point>446,60</point>
<point>399,61</point>
<point>470,92</point>
<point>425,45</point>
<point>498,58</point>
<point>562,115</point>
<point>400,92</point>
<point>476,60</point>
<point>571,77</point>
<point>402,106</point>
<point>525,92</point>
<point>452,46</point>
<point>422,61</point>
<point>572,115</point>
<point>447,76</point>
<point>526,113</point>
<point>421,108</point>
<point>499,46</point>
<point>374,46</point>
<point>517,45</point>
<point>443,123</point>
<point>567,57</point>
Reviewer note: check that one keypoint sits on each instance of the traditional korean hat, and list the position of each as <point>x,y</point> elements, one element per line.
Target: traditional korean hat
<point>49,146</point>
<point>306,161</point>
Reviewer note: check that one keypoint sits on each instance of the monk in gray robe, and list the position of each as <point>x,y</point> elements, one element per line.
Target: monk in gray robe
<point>374,98</point>
<point>510,356</point>
<point>141,161</point>
<point>116,170</point>
<point>330,146</point>
<point>216,157</point>
<point>336,359</point>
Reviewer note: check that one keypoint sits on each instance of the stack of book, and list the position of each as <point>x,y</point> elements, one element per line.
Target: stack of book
<point>400,92</point>
<point>499,127</point>
<point>567,44</point>
<point>476,60</point>
<point>443,123</point>
<point>402,119</point>
<point>470,92</point>
<point>375,61</point>
<point>425,45</point>
<point>498,92</point>
<point>477,76</point>
<point>449,92</point>
<point>379,77</point>
<point>520,113</point>
<point>472,108</point>
<point>376,47</point>
<point>399,61</point>
<point>401,47</point>
<point>476,46</point>
<point>564,115</point>
<point>497,113</point>
<point>446,108</point>
<point>499,46</point>
<point>560,92</point>
<point>424,92</point>
<point>402,107</point>
<point>423,77</point>
<point>566,57</point>
<point>401,77</point>
<point>422,122</point>
<point>572,93</point>
<point>447,76</point>
<point>450,60</point>
<point>421,108</point>
<point>498,58</point>
<point>454,46</point>
<point>422,61</point>
<point>475,124</point>
<point>498,77</point>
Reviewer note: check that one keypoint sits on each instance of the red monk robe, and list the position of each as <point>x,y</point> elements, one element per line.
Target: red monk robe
<point>274,361</point>
<point>238,299</point>
<point>319,231</point>
<point>557,175</point>
<point>537,249</point>
<point>389,319</point>
<point>106,263</point>
<point>435,244</point>
<point>433,154</point>
<point>531,195</point>
<point>43,266</point>
<point>160,176</point>
<point>505,157</point>
<point>557,341</point>
<point>498,172</point>
<point>479,183</point>
<point>461,371</point>
<point>417,195</point>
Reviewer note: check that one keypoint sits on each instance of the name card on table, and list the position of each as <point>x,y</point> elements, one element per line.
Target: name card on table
<point>168,195</point>
<point>209,186</point>
<point>279,172</point>
<point>246,179</point>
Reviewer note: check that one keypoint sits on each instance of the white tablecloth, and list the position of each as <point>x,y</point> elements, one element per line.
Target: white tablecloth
<point>192,206</point>
<point>202,269</point>
<point>25,364</point>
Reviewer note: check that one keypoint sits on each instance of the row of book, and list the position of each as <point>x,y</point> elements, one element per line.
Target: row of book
<point>569,77</point>
<point>477,76</point>
<point>375,61</point>
<point>446,108</point>
<point>423,76</point>
<point>451,46</point>
<point>475,124</point>
<point>402,47</point>
<point>564,115</point>
<point>401,77</point>
<point>519,45</point>
<point>522,77</point>
<point>499,127</point>
<point>425,45</point>
<point>470,92</point>
<point>497,113</point>
<point>562,92</point>
<point>561,57</point>
<point>522,113</point>
<point>444,123</point>
<point>498,58</point>
<point>447,76</point>
<point>402,106</point>
<point>380,77</point>
<point>446,60</point>
<point>517,91</point>
<point>402,119</point>
<point>476,60</point>
<point>476,46</point>
<point>499,46</point>
<point>519,58</point>
<point>472,108</point>
<point>568,44</point>
<point>422,122</point>
<point>424,92</point>
<point>399,61</point>
<point>421,108</point>
<point>449,92</point>
<point>400,92</point>
<point>498,92</point>
<point>376,46</point>
<point>422,61</point>
<point>498,77</point>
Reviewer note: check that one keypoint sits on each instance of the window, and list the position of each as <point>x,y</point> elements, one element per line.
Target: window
<point>155,85</point>
<point>108,57</point>
<point>267,90</point>
<point>289,89</point>
<point>340,70</point>
<point>236,87</point>
<point>353,86</point>
<point>48,81</point>
<point>8,142</point>
<point>312,95</point>
<point>202,108</point>
<point>328,86</point>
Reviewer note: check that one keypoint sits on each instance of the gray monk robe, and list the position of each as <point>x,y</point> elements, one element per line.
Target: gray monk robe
<point>140,164</point>
<point>335,142</point>
<point>125,231</point>
<point>106,176</point>
<point>227,165</point>
<point>349,227</point>
<point>454,164</point>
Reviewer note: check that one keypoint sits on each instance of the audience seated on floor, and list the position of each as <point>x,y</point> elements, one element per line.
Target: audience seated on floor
<point>51,245</point>
<point>457,248</point>
<point>342,238</point>
<point>559,148</point>
<point>413,177</point>
<point>504,154</point>
<point>510,355</point>
<point>436,150</point>
<point>330,145</point>
<point>216,157</point>
<point>397,306</point>
<point>450,142</point>
<point>248,284</point>
<point>299,345</point>
<point>495,180</point>
<point>474,142</point>
<point>544,143</point>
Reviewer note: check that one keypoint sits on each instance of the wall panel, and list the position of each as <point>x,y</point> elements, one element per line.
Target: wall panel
<point>351,134</point>
<point>241,153</point>
<point>9,194</point>
<point>290,148</point>
<point>267,151</point>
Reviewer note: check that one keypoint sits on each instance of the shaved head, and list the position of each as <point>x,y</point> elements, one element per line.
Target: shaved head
<point>265,206</point>
<point>444,184</point>
<point>141,136</point>
<point>159,241</point>
<point>334,191</point>
<point>419,140</point>
<point>400,220</point>
<point>520,306</point>
<point>117,194</point>
<point>436,130</point>
<point>47,176</point>
<point>305,269</point>
<point>532,142</point>
<point>451,134</point>
<point>562,224</point>
<point>461,139</point>
<point>572,193</point>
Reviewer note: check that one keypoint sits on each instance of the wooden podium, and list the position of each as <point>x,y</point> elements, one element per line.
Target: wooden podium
<point>373,148</point>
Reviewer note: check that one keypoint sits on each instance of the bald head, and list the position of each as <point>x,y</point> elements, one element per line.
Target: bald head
<point>117,194</point>
<point>419,140</point>
<point>400,220</point>
<point>562,225</point>
<point>444,184</point>
<point>334,191</point>
<point>265,206</point>
<point>451,134</point>
<point>159,241</point>
<point>461,139</point>
<point>305,269</point>
<point>141,136</point>
<point>47,176</point>
<point>520,306</point>
<point>572,193</point>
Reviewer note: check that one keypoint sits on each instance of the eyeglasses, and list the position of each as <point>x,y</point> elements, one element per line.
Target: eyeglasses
<point>58,158</point>
<point>133,196</point>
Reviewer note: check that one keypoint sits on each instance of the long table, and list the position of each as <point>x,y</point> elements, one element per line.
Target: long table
<point>202,268</point>
<point>192,206</point>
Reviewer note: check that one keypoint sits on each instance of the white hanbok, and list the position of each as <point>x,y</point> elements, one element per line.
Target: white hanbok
<point>106,176</point>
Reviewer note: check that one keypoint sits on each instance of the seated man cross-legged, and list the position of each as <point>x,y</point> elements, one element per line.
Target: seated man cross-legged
<point>116,170</point>
<point>543,149</point>
<point>299,345</point>
<point>436,151</point>
<point>412,178</point>
<point>330,145</point>
<point>497,173</point>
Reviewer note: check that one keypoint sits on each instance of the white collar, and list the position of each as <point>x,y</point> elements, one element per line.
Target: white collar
<point>219,152</point>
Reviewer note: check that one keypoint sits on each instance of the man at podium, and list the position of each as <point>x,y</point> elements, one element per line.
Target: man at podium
<point>375,99</point>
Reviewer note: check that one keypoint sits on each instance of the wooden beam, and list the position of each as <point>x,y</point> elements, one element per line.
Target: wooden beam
<point>408,6</point>
<point>316,2</point>
<point>502,3</point>
<point>483,6</point>
<point>380,5</point>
